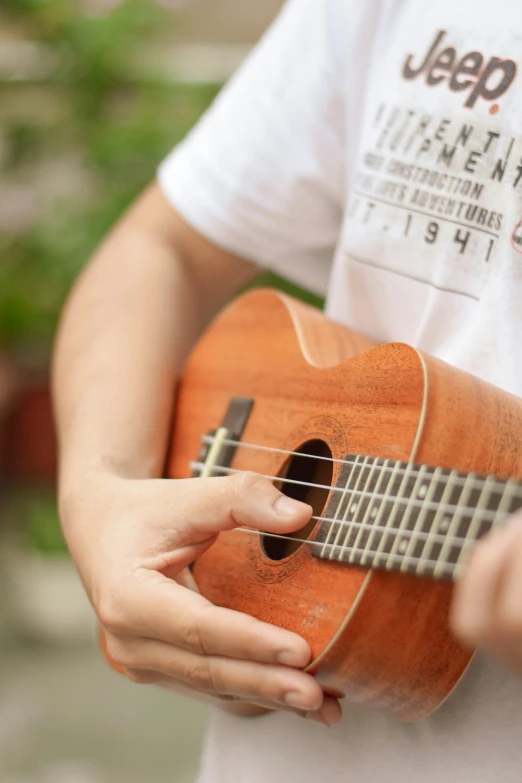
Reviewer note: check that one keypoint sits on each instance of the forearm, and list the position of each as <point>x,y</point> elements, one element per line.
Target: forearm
<point>128,326</point>
<point>124,334</point>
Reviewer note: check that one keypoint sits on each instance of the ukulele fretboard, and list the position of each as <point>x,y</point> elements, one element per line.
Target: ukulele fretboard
<point>411,518</point>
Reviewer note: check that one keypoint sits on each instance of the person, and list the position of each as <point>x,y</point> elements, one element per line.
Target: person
<point>371,152</point>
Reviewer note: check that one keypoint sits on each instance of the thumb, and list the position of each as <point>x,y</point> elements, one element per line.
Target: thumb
<point>244,499</point>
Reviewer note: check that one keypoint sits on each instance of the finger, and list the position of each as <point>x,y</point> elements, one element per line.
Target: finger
<point>508,612</point>
<point>329,714</point>
<point>185,579</point>
<point>243,499</point>
<point>504,636</point>
<point>244,680</point>
<point>472,614</point>
<point>161,609</point>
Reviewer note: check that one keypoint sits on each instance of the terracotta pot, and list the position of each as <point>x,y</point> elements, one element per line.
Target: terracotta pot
<point>9,387</point>
<point>30,435</point>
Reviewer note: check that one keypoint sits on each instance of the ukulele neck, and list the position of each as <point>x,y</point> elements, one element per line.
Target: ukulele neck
<point>411,518</point>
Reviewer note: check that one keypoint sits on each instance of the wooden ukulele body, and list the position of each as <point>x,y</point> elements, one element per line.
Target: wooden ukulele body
<point>377,637</point>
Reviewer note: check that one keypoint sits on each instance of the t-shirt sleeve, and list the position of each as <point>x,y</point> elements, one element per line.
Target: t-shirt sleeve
<point>262,174</point>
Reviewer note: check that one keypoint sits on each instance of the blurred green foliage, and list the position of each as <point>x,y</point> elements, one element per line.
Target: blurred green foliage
<point>96,113</point>
<point>36,513</point>
<point>102,116</point>
<point>82,138</point>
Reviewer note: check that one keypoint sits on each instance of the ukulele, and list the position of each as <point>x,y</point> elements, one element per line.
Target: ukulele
<point>406,461</point>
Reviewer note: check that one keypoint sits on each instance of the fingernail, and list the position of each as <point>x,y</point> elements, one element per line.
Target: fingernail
<point>298,700</point>
<point>287,507</point>
<point>317,718</point>
<point>330,713</point>
<point>291,658</point>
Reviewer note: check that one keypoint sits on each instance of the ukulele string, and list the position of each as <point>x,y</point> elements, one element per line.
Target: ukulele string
<point>495,485</point>
<point>434,538</point>
<point>462,543</point>
<point>406,535</point>
<point>453,568</point>
<point>481,514</point>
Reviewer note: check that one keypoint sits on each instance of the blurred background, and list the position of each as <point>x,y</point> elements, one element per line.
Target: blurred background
<point>93,94</point>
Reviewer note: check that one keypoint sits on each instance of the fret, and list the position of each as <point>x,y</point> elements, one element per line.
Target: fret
<point>443,556</point>
<point>361,542</point>
<point>434,523</point>
<point>362,507</point>
<point>476,528</point>
<point>368,553</point>
<point>429,545</point>
<point>418,514</point>
<point>402,544</point>
<point>351,510</point>
<point>444,517</point>
<point>347,499</point>
<point>335,527</point>
<point>421,519</point>
<point>399,512</point>
<point>495,499</point>
<point>509,502</point>
<point>410,518</point>
<point>389,527</point>
<point>357,501</point>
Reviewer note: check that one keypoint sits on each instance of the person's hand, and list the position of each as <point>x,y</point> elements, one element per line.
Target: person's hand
<point>132,541</point>
<point>487,607</point>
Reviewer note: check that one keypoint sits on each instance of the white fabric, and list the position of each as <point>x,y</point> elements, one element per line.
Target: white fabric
<point>335,158</point>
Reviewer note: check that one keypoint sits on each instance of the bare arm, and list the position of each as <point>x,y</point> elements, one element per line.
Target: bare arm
<point>129,324</point>
<point>134,314</point>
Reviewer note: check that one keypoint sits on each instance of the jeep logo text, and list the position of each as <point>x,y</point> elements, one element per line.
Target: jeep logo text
<point>471,72</point>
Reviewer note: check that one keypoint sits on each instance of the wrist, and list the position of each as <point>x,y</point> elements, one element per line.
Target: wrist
<point>79,478</point>
<point>84,497</point>
<point>85,501</point>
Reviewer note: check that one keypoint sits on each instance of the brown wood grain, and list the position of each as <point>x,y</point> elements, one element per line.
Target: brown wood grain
<point>381,639</point>
<point>378,638</point>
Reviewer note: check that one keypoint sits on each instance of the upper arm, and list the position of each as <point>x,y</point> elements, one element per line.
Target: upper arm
<point>216,273</point>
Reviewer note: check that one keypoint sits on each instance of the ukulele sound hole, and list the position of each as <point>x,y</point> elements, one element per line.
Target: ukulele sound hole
<point>303,467</point>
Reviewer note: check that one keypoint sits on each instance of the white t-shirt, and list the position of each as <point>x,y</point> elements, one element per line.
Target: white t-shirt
<point>372,151</point>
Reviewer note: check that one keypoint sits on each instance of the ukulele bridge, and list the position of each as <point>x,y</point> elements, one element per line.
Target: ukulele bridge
<point>219,452</point>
